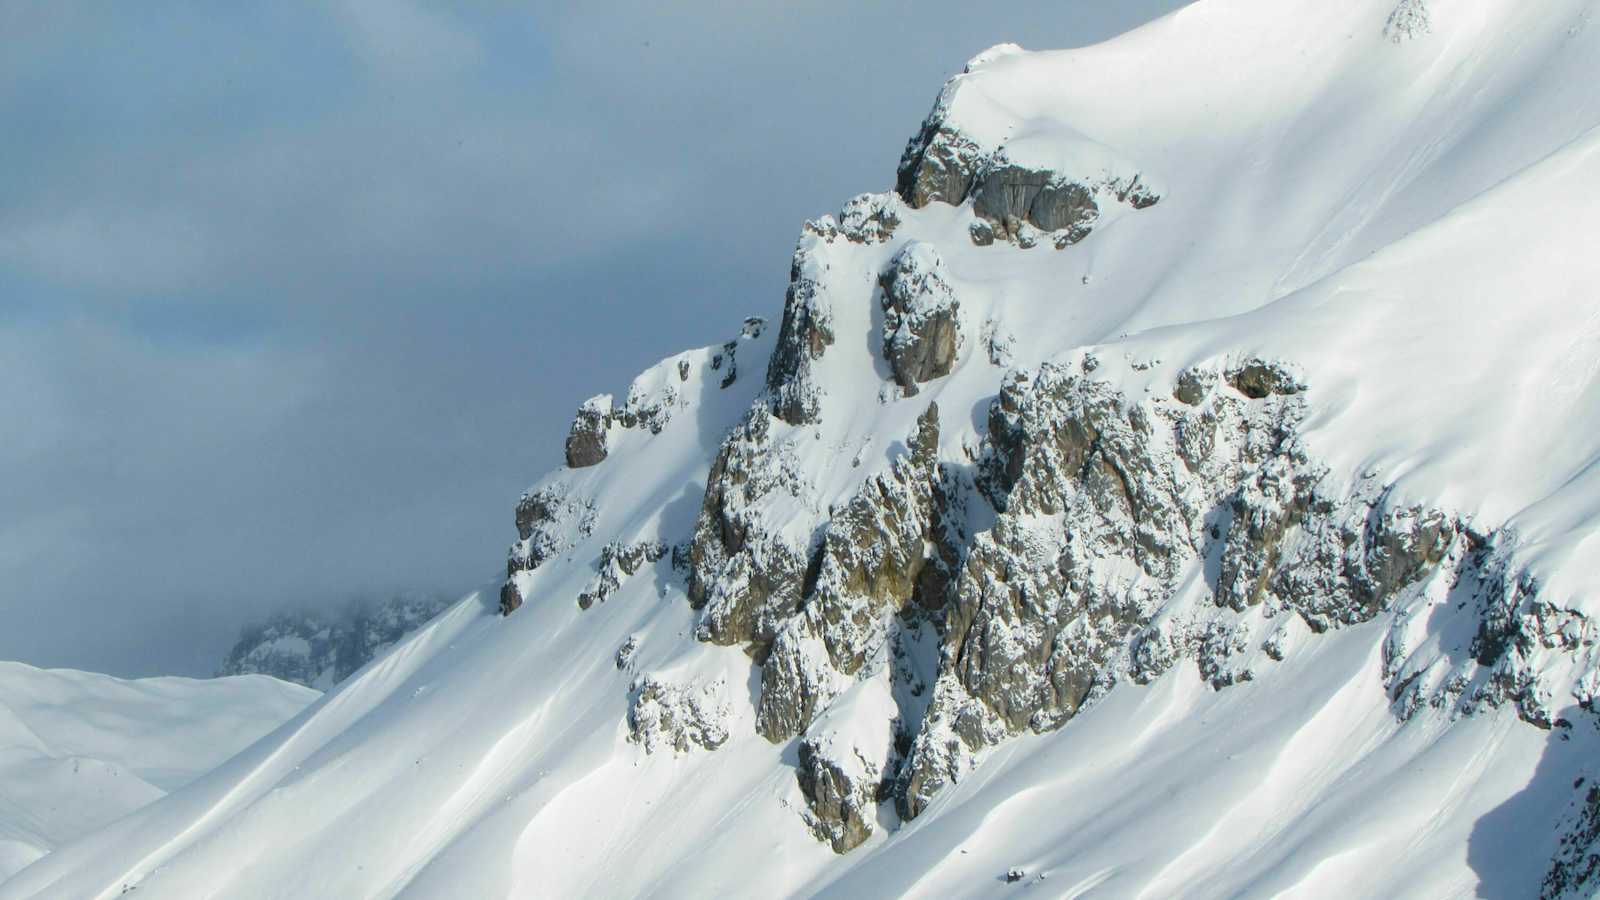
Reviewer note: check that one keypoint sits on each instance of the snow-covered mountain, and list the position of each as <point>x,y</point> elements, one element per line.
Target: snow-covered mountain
<point>78,750</point>
<point>1181,484</point>
<point>320,648</point>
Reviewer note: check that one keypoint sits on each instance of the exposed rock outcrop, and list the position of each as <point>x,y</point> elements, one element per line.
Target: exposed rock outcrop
<point>807,330</point>
<point>866,219</point>
<point>1258,378</point>
<point>664,715</point>
<point>940,164</point>
<point>617,563</point>
<point>744,575</point>
<point>804,336</point>
<point>893,545</point>
<point>1091,536</point>
<point>922,326</point>
<point>1124,536</point>
<point>844,759</point>
<point>586,439</point>
<point>549,521</point>
<point>624,657</point>
<point>1010,196</point>
<point>1104,508</point>
<point>1015,197</point>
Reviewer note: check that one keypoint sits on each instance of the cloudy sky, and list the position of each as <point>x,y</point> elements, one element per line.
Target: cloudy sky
<point>296,298</point>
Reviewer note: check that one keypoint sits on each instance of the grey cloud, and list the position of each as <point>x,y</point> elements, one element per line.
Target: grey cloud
<point>294,300</point>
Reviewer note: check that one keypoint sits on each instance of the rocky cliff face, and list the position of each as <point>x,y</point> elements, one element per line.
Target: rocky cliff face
<point>1000,569</point>
<point>1128,536</point>
<point>1125,535</point>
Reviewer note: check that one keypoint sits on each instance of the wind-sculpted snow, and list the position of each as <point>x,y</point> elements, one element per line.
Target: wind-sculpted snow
<point>1237,547</point>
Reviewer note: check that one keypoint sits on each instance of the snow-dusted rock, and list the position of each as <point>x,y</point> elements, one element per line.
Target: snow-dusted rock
<point>1048,179</point>
<point>922,318</point>
<point>550,520</point>
<point>845,757</point>
<point>617,563</point>
<point>1409,21</point>
<point>804,336</point>
<point>665,715</point>
<point>586,440</point>
<point>865,219</point>
<point>743,577</point>
<point>1576,868</point>
<point>886,553</point>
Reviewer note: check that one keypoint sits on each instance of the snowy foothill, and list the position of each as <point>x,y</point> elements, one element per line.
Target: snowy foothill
<point>78,750</point>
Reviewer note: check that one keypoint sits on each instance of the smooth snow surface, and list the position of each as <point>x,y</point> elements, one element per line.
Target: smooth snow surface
<point>78,750</point>
<point>1413,224</point>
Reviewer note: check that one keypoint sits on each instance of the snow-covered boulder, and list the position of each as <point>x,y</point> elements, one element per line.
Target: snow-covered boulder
<point>922,318</point>
<point>586,440</point>
<point>665,715</point>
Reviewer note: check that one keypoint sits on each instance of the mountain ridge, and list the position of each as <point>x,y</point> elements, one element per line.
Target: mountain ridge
<point>1220,539</point>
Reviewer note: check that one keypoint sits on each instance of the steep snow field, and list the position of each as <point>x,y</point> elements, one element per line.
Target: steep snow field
<point>78,750</point>
<point>1400,205</point>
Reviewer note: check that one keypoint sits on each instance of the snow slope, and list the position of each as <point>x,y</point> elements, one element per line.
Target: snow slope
<point>1398,206</point>
<point>78,750</point>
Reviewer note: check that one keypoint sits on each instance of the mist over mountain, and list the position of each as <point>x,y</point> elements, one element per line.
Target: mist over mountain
<point>291,298</point>
<point>319,648</point>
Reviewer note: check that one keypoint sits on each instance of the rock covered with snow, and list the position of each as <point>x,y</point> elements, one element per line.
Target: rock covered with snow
<point>1576,867</point>
<point>550,520</point>
<point>806,332</point>
<point>922,317</point>
<point>1409,21</point>
<point>744,578</point>
<point>586,440</point>
<point>617,563</point>
<point>845,758</point>
<point>882,559</point>
<point>1041,178</point>
<point>664,715</point>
